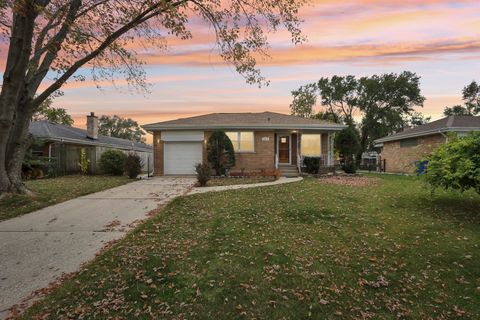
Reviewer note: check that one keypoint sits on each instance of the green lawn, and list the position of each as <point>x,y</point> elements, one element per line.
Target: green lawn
<point>295,251</point>
<point>52,191</point>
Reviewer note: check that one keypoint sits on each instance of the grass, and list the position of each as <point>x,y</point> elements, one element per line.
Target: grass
<point>234,181</point>
<point>295,251</point>
<point>51,191</point>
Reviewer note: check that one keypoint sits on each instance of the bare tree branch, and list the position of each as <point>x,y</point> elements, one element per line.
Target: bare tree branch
<point>152,11</point>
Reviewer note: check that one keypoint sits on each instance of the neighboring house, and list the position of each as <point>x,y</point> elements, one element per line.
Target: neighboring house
<point>63,144</point>
<point>263,142</point>
<point>401,151</point>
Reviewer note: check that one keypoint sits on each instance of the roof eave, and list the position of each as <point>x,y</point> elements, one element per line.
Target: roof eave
<point>154,127</point>
<point>93,142</point>
<point>426,133</point>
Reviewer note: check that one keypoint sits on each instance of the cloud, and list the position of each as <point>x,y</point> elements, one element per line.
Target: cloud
<point>72,85</point>
<point>308,54</point>
<point>438,39</point>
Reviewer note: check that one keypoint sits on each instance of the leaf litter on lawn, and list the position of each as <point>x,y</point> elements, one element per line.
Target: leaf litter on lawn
<point>303,250</point>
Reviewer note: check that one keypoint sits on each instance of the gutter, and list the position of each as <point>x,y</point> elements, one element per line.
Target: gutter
<point>153,127</point>
<point>93,143</point>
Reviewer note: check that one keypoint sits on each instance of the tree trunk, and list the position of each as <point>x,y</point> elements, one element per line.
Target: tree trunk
<point>4,133</point>
<point>18,144</point>
<point>19,51</point>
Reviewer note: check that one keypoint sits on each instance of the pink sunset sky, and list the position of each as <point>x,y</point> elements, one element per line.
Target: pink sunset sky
<point>437,39</point>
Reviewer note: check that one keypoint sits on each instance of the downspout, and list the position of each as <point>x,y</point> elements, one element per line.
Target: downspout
<point>444,135</point>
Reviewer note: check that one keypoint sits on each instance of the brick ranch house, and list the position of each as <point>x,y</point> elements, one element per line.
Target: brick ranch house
<point>402,150</point>
<point>263,142</point>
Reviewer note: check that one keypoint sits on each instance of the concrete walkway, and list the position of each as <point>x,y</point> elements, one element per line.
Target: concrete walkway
<point>281,180</point>
<point>37,248</point>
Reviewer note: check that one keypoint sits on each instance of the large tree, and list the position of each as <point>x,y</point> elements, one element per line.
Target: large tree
<point>124,128</point>
<point>304,101</point>
<point>456,110</point>
<point>337,96</point>
<point>51,114</point>
<point>471,98</point>
<point>385,103</point>
<point>58,37</point>
<point>415,119</point>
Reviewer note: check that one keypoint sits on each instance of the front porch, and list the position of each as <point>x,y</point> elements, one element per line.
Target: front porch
<point>292,146</point>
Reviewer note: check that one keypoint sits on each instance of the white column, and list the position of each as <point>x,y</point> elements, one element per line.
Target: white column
<point>298,147</point>
<point>331,137</point>
<point>328,150</point>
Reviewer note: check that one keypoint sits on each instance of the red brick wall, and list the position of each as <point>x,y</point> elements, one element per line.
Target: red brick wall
<point>263,158</point>
<point>402,160</point>
<point>158,154</point>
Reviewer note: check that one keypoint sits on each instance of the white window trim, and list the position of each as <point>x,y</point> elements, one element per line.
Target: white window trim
<point>238,150</point>
<point>301,144</point>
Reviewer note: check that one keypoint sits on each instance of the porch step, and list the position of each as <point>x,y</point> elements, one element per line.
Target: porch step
<point>288,171</point>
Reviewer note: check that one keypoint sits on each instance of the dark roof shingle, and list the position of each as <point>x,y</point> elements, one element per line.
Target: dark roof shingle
<point>232,120</point>
<point>451,123</point>
<point>46,130</point>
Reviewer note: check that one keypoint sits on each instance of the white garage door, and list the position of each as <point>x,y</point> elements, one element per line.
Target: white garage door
<point>181,157</point>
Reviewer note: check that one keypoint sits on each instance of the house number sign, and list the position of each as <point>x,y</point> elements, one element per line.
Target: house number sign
<point>265,138</point>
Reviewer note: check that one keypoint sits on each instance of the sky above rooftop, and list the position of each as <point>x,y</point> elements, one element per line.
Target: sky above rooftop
<point>437,39</point>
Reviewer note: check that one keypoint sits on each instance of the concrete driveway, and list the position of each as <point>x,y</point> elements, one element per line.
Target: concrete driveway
<point>37,248</point>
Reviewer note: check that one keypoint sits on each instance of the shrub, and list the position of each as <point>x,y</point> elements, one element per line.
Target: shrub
<point>348,145</point>
<point>220,153</point>
<point>312,164</point>
<point>84,162</point>
<point>349,167</point>
<point>133,165</point>
<point>38,167</point>
<point>113,162</point>
<point>456,164</point>
<point>203,173</point>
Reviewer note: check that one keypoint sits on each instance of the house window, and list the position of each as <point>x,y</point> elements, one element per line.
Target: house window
<point>311,145</point>
<point>243,141</point>
<point>37,150</point>
<point>408,143</point>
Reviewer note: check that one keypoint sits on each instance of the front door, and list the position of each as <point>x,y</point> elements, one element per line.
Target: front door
<point>284,149</point>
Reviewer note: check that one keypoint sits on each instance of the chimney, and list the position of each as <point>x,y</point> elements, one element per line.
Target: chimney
<point>92,126</point>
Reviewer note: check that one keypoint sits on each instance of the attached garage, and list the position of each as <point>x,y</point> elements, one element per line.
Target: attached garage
<point>181,157</point>
<point>182,151</point>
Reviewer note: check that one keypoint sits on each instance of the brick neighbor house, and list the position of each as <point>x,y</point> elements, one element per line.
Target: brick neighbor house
<point>263,142</point>
<point>402,150</point>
